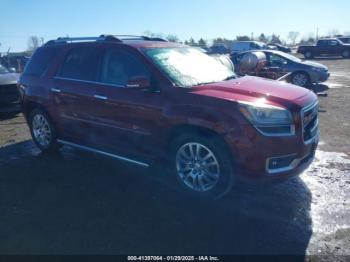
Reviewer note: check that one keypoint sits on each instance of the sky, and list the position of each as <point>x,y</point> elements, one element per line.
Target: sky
<point>209,19</point>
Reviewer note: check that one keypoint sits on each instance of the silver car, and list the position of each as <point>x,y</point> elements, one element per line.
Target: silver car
<point>9,95</point>
<point>302,73</point>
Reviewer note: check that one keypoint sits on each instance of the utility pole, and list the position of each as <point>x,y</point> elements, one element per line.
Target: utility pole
<point>316,34</point>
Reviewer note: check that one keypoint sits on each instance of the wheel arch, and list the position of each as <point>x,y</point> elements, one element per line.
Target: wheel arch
<point>180,129</point>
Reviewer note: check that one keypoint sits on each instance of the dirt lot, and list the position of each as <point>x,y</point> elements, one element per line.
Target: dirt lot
<point>79,203</point>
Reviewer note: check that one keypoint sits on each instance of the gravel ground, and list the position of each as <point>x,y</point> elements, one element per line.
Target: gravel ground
<point>79,203</point>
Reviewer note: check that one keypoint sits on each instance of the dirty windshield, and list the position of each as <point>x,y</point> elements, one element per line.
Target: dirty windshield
<point>188,66</point>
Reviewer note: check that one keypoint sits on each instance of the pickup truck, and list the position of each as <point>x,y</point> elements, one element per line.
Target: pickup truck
<point>329,46</point>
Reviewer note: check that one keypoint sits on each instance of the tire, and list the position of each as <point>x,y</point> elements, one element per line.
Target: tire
<point>206,173</point>
<point>308,55</point>
<point>346,54</point>
<point>42,131</point>
<point>300,79</point>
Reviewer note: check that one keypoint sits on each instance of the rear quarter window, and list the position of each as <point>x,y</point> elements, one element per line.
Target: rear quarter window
<point>40,61</point>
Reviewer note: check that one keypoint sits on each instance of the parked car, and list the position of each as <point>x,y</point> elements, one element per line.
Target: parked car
<point>345,39</point>
<point>302,73</point>
<point>242,46</point>
<point>283,48</point>
<point>219,49</point>
<point>328,46</point>
<point>149,102</point>
<point>14,63</point>
<point>9,96</point>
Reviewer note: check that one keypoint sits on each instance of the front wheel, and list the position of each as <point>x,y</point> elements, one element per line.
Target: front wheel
<point>300,79</point>
<point>346,54</point>
<point>202,166</point>
<point>42,131</point>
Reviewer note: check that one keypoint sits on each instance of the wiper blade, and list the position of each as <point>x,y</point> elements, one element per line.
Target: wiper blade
<point>230,78</point>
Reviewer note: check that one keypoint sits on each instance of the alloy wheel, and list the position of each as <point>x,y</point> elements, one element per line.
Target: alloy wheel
<point>41,130</point>
<point>197,167</point>
<point>300,79</point>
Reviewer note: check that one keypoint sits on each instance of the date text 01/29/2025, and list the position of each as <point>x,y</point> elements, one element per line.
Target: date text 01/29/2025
<point>173,258</point>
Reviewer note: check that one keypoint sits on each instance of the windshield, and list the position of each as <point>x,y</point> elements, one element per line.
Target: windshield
<point>187,66</point>
<point>288,56</point>
<point>3,70</point>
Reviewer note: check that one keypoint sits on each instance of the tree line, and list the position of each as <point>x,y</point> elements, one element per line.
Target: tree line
<point>35,41</point>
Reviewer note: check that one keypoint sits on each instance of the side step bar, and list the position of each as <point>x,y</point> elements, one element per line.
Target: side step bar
<point>85,148</point>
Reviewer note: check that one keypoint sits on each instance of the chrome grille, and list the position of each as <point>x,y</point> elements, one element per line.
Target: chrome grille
<point>309,116</point>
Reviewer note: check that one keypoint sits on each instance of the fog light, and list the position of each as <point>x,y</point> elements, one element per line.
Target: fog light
<point>280,162</point>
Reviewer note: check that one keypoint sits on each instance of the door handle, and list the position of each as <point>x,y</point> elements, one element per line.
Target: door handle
<point>100,97</point>
<point>55,90</point>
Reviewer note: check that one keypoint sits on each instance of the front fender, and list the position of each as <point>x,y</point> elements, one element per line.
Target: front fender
<point>211,118</point>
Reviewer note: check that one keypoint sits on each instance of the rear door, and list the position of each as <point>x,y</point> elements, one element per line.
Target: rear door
<point>73,89</point>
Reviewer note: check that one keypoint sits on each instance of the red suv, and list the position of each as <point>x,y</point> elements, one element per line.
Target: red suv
<point>149,101</point>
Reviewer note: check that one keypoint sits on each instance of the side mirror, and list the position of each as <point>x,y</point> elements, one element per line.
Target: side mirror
<point>139,82</point>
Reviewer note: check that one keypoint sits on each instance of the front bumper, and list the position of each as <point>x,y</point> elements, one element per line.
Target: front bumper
<point>254,157</point>
<point>319,77</point>
<point>10,108</point>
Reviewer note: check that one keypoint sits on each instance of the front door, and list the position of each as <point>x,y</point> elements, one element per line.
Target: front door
<point>126,117</point>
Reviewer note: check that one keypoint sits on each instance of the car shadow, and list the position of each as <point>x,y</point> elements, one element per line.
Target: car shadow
<point>79,203</point>
<point>6,116</point>
<point>319,88</point>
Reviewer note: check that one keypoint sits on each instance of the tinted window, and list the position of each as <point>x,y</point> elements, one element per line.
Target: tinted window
<point>334,43</point>
<point>119,66</point>
<point>40,61</point>
<point>323,43</point>
<point>82,63</point>
<point>276,60</point>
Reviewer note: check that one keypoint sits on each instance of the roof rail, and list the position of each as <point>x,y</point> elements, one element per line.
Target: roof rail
<point>117,38</point>
<point>139,37</point>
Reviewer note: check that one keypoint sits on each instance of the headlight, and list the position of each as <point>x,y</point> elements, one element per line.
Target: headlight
<point>318,69</point>
<point>269,120</point>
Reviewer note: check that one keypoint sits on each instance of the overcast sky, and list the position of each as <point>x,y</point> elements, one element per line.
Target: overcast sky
<point>184,18</point>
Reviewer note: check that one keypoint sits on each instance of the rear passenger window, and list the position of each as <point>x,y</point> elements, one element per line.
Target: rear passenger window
<point>40,61</point>
<point>82,63</point>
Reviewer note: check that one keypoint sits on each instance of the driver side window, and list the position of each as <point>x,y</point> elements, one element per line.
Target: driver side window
<point>276,60</point>
<point>334,43</point>
<point>120,65</point>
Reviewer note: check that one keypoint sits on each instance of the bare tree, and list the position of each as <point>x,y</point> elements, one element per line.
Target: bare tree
<point>263,38</point>
<point>275,39</point>
<point>34,42</point>
<point>152,34</point>
<point>292,36</point>
<point>333,32</point>
<point>242,38</point>
<point>172,38</point>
